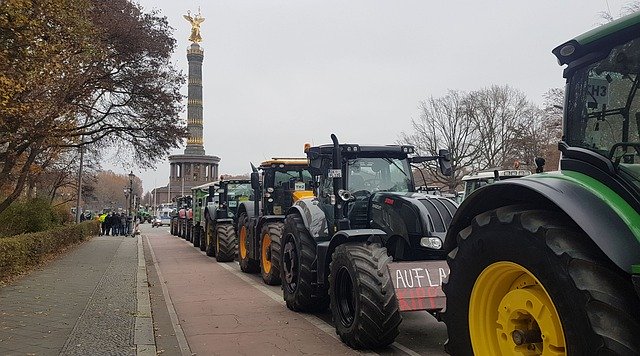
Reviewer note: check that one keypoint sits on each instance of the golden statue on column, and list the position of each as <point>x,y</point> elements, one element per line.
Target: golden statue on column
<point>195,22</point>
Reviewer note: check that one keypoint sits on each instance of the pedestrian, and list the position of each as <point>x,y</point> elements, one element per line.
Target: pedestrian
<point>123,223</point>
<point>82,218</point>
<point>103,223</point>
<point>118,224</point>
<point>109,222</point>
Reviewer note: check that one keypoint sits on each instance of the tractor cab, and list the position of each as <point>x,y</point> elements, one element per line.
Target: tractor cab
<point>284,181</point>
<point>602,114</point>
<point>477,180</point>
<point>231,193</point>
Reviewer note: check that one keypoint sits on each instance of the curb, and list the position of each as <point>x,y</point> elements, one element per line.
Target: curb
<point>143,337</point>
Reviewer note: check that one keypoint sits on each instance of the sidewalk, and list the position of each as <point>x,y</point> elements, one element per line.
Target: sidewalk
<point>85,303</point>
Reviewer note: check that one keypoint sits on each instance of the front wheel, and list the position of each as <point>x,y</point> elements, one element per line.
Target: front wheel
<point>364,308</point>
<point>195,235</point>
<point>247,264</point>
<point>271,235</point>
<point>296,268</point>
<point>202,237</point>
<point>225,243</point>
<point>531,282</point>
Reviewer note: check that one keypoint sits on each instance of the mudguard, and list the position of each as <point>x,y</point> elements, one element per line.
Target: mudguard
<point>246,207</point>
<point>325,248</point>
<point>598,217</point>
<point>313,217</point>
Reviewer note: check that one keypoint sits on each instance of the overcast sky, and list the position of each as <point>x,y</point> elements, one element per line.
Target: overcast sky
<point>278,73</point>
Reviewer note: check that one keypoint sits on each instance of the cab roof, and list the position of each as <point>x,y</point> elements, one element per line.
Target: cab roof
<point>276,161</point>
<point>354,150</point>
<point>513,173</point>
<point>600,40</point>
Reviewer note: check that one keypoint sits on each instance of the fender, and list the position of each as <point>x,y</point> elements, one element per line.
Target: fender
<point>590,204</point>
<point>314,218</point>
<point>325,248</point>
<point>246,207</point>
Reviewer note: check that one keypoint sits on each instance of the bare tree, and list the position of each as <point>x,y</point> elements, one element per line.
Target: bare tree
<point>443,124</point>
<point>498,114</point>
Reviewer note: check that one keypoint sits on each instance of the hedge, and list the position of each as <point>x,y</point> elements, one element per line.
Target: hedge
<point>32,215</point>
<point>18,253</point>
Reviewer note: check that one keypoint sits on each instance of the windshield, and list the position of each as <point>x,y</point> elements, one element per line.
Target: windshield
<point>604,108</point>
<point>379,174</point>
<point>238,192</point>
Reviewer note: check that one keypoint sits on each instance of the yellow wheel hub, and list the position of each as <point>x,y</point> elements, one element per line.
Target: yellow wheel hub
<point>243,242</point>
<point>510,313</point>
<point>266,246</point>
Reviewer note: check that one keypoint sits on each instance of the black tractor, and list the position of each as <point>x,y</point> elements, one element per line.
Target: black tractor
<point>367,244</point>
<point>221,217</point>
<point>260,222</point>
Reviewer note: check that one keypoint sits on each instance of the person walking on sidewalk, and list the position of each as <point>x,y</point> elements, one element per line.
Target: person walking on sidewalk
<point>103,223</point>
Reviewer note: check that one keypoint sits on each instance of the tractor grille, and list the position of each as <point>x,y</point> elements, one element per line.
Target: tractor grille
<point>440,211</point>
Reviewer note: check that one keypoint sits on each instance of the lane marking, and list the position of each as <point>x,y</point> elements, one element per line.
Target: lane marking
<point>177,328</point>
<point>144,338</point>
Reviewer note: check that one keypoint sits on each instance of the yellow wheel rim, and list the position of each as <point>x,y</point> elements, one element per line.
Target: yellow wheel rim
<point>510,313</point>
<point>266,245</point>
<point>243,242</point>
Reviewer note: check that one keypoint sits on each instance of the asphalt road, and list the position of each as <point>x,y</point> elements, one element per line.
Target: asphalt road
<point>192,295</point>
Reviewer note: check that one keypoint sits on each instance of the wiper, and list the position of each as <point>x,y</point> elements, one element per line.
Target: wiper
<point>395,164</point>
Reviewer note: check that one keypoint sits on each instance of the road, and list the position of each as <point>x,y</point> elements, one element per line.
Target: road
<point>207,308</point>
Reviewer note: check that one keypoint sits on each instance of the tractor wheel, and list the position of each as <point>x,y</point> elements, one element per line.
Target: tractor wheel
<point>225,243</point>
<point>296,265</point>
<point>365,310</point>
<point>178,229</point>
<point>189,232</point>
<point>210,240</point>
<point>532,282</point>
<point>247,264</point>
<point>270,252</point>
<point>202,238</point>
<point>195,232</point>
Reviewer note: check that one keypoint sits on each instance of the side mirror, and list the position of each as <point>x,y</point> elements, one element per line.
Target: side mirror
<point>255,181</point>
<point>444,161</point>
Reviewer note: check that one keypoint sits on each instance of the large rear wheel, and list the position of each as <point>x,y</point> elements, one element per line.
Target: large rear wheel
<point>225,243</point>
<point>203,237</point>
<point>298,254</point>
<point>532,282</point>
<point>247,264</point>
<point>210,239</point>
<point>195,232</point>
<point>270,252</point>
<point>365,310</point>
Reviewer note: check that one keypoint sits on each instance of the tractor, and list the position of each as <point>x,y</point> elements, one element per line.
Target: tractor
<point>549,264</point>
<point>183,217</point>
<point>221,218</point>
<point>176,216</point>
<point>199,194</point>
<point>260,222</point>
<point>367,244</point>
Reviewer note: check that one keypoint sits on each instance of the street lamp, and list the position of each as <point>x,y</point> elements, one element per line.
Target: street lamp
<point>131,175</point>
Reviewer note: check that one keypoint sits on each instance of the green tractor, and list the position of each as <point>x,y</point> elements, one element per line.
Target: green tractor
<point>199,194</point>
<point>367,244</point>
<point>260,221</point>
<point>221,217</point>
<point>549,264</point>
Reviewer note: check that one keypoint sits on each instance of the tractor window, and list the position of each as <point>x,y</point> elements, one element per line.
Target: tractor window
<point>378,174</point>
<point>603,108</point>
<point>237,193</point>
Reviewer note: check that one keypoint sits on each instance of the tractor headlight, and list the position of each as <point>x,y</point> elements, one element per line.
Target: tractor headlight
<point>270,190</point>
<point>431,242</point>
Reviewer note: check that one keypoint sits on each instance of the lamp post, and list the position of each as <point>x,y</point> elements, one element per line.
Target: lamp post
<point>130,220</point>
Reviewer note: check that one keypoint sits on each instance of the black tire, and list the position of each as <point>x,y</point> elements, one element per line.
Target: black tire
<point>247,264</point>
<point>271,276</point>
<point>299,290</point>
<point>203,238</point>
<point>195,231</point>
<point>210,239</point>
<point>225,243</point>
<point>595,301</point>
<point>189,231</point>
<point>364,308</point>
